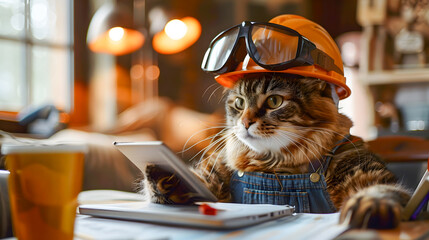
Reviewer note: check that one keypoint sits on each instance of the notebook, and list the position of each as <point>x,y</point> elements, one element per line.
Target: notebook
<point>228,215</point>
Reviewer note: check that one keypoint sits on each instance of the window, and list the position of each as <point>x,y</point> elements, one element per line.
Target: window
<point>36,53</point>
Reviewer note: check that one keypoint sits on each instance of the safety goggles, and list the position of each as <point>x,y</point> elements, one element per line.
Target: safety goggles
<point>271,46</point>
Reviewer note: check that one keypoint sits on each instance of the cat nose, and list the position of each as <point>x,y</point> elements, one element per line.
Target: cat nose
<point>247,122</point>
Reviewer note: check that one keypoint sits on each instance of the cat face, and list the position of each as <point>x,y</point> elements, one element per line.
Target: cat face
<point>272,112</point>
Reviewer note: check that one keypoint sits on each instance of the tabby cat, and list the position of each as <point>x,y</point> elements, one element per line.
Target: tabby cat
<point>286,143</point>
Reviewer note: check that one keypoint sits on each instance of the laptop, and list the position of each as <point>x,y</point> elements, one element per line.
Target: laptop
<point>227,215</point>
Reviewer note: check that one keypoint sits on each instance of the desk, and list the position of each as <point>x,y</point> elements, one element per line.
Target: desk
<point>279,229</point>
<point>296,227</point>
<point>406,230</point>
<point>300,226</point>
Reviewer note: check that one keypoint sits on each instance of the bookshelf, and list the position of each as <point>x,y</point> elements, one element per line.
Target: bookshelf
<point>397,76</point>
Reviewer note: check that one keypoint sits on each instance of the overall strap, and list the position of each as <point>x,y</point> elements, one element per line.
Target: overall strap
<point>322,164</point>
<point>347,142</point>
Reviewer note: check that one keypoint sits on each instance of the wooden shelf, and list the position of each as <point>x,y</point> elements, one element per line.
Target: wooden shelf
<point>395,76</point>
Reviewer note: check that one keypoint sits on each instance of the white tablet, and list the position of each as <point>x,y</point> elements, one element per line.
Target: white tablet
<point>156,152</point>
<point>418,200</point>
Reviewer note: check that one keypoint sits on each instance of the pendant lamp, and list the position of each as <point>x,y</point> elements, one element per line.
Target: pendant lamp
<point>112,31</point>
<point>177,35</point>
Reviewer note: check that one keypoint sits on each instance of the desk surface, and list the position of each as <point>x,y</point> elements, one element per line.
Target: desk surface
<point>97,228</point>
<point>296,227</point>
<point>406,230</point>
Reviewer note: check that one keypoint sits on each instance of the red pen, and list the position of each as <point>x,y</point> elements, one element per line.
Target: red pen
<point>207,209</point>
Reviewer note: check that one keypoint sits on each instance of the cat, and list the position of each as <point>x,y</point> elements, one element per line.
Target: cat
<point>286,143</point>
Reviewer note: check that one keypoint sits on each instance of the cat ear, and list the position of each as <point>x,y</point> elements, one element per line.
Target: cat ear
<point>328,90</point>
<point>322,85</point>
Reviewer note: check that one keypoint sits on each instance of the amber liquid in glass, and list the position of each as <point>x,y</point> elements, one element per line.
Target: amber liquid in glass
<point>43,189</point>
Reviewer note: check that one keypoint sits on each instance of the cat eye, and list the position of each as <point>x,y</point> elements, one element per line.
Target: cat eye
<point>239,103</point>
<point>274,101</point>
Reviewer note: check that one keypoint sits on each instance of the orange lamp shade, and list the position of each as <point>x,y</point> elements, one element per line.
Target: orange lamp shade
<point>122,43</point>
<point>164,44</point>
<point>112,31</point>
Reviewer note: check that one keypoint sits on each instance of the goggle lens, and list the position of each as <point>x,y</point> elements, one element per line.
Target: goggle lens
<point>273,46</point>
<point>221,50</point>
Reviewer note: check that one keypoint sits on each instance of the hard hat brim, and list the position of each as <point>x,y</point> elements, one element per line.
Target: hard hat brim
<point>229,79</point>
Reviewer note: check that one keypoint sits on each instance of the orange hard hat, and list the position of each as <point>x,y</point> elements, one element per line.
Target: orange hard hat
<point>317,35</point>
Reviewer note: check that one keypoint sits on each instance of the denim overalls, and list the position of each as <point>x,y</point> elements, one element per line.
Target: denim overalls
<point>307,192</point>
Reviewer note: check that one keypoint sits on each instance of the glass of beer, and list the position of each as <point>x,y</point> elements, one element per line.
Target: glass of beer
<point>44,182</point>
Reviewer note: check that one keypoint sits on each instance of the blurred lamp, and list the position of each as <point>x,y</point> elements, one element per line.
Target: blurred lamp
<point>178,34</point>
<point>111,31</point>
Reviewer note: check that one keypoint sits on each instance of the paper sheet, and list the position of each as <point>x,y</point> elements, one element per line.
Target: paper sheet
<point>296,227</point>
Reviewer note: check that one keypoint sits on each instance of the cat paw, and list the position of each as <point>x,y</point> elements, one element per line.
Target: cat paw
<point>368,211</point>
<point>165,187</point>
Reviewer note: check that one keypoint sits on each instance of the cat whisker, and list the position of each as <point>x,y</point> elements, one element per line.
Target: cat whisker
<point>204,151</point>
<point>335,132</point>
<point>308,140</point>
<point>208,88</point>
<point>321,130</point>
<point>219,144</point>
<point>214,91</point>
<point>221,141</point>
<point>320,155</point>
<point>217,157</point>
<point>316,129</point>
<point>300,149</point>
<point>273,160</point>
<point>285,147</point>
<point>203,130</point>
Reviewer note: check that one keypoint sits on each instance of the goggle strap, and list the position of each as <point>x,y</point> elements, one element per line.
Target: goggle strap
<point>325,61</point>
<point>334,94</point>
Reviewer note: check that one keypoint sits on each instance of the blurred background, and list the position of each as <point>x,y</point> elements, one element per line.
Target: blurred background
<point>46,59</point>
<point>56,55</point>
